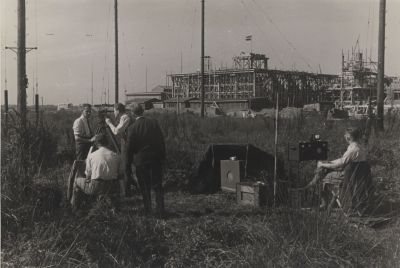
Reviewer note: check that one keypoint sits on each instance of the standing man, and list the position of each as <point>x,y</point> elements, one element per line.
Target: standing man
<point>120,131</point>
<point>146,150</point>
<point>83,133</point>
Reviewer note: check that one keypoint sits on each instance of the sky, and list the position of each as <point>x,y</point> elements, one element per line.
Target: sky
<point>75,39</point>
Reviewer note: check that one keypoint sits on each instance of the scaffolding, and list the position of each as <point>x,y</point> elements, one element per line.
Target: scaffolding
<point>358,80</point>
<point>251,78</point>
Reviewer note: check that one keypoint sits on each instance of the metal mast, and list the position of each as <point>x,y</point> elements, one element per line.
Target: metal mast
<point>116,49</point>
<point>22,80</point>
<point>202,59</point>
<point>381,63</point>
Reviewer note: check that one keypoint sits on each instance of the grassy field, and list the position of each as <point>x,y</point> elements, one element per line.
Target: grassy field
<point>199,230</point>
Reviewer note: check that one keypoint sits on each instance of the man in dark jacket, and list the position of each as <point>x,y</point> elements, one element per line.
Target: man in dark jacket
<point>146,150</point>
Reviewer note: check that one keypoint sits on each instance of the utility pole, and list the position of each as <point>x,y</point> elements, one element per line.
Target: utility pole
<point>22,80</point>
<point>116,49</point>
<point>181,63</point>
<point>92,85</point>
<point>37,108</point>
<point>202,59</point>
<point>21,50</point>
<point>381,64</point>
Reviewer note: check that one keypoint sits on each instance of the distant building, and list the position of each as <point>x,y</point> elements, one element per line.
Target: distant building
<point>393,91</point>
<point>165,89</point>
<point>64,106</point>
<point>153,99</point>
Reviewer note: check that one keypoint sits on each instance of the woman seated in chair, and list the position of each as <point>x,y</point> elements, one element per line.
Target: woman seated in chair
<point>351,173</point>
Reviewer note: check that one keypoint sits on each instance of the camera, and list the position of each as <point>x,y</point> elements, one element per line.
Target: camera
<point>314,149</point>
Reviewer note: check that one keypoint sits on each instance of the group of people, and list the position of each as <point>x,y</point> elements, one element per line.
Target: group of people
<point>142,151</point>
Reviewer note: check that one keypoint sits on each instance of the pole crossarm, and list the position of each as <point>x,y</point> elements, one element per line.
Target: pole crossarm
<point>15,49</point>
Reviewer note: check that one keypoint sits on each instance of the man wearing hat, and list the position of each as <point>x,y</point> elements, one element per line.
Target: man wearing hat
<point>146,150</point>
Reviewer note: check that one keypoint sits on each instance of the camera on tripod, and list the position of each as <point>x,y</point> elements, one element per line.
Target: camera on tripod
<point>314,149</point>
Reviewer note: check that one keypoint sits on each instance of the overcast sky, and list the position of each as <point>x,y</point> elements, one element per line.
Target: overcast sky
<point>75,37</point>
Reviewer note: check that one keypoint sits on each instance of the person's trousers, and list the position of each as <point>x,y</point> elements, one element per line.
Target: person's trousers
<point>128,179</point>
<point>150,176</point>
<point>92,188</point>
<point>82,150</point>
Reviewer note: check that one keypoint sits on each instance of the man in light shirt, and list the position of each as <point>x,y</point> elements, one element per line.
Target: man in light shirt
<point>83,133</point>
<point>103,171</point>
<point>352,169</point>
<point>124,121</point>
<point>120,131</point>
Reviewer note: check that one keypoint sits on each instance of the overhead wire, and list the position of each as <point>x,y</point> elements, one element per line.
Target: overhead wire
<point>193,22</point>
<point>290,43</point>
<point>127,58</point>
<point>224,49</point>
<point>263,31</point>
<point>372,31</point>
<point>180,33</point>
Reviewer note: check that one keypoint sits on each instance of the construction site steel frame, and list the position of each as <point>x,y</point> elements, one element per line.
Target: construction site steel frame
<point>251,78</point>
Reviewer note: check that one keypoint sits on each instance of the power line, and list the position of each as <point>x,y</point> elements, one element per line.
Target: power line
<point>261,9</point>
<point>261,30</point>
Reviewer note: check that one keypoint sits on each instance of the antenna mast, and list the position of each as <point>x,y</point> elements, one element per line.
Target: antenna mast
<point>202,59</point>
<point>116,49</point>
<point>381,63</point>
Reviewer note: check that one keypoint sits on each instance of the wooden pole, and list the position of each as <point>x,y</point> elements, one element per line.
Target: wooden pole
<point>92,86</point>
<point>202,59</point>
<point>37,108</point>
<point>276,145</point>
<point>5,111</point>
<point>6,101</point>
<point>116,50</point>
<point>381,64</point>
<point>22,80</point>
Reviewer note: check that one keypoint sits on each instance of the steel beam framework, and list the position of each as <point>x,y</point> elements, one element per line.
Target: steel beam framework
<point>294,88</point>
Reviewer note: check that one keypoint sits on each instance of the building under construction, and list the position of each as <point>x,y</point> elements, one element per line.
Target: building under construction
<point>251,79</point>
<point>358,81</point>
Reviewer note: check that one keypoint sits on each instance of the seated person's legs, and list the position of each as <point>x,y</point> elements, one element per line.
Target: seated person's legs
<point>84,185</point>
<point>330,181</point>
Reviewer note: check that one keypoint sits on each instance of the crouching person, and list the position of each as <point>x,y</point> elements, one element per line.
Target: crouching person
<point>103,172</point>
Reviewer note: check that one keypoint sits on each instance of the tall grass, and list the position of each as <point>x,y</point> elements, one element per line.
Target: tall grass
<point>200,230</point>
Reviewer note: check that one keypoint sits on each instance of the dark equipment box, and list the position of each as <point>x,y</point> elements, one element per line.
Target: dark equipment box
<point>232,172</point>
<point>254,194</point>
<point>314,150</point>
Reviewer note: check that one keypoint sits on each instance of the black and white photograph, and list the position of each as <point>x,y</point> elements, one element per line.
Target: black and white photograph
<point>200,133</point>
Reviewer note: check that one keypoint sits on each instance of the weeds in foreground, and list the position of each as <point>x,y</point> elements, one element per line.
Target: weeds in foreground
<point>202,230</point>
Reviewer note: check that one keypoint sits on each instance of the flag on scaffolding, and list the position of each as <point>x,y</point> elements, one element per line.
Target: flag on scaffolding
<point>248,38</point>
